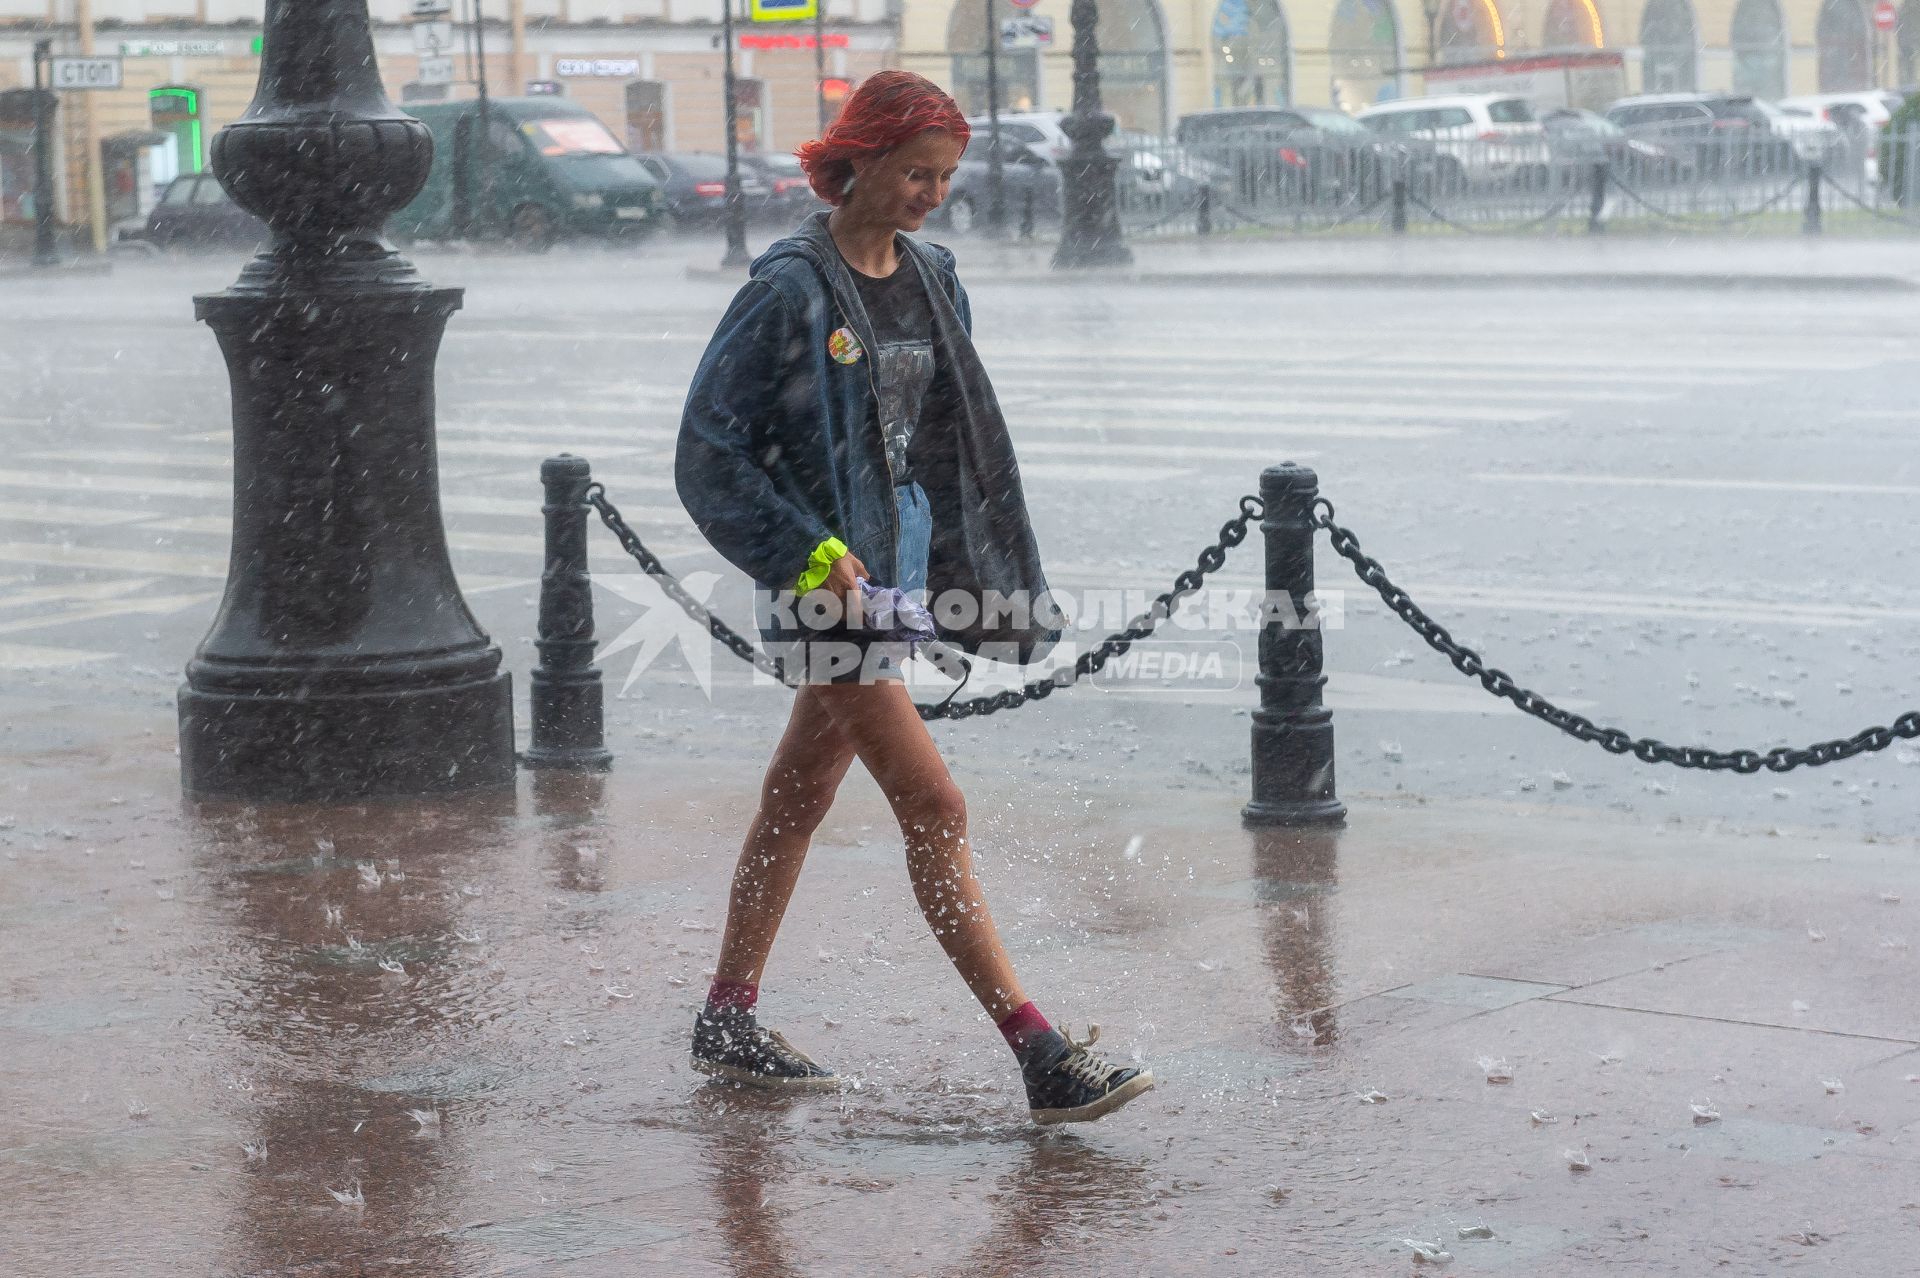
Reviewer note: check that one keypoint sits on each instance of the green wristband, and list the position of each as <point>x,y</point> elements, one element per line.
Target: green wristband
<point>820,563</point>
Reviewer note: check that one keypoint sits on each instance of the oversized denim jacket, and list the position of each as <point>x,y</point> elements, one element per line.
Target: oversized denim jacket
<point>780,447</point>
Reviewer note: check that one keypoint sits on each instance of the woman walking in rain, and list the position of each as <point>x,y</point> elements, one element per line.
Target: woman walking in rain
<point>840,433</point>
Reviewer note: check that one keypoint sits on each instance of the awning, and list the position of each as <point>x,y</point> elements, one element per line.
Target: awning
<point>133,140</point>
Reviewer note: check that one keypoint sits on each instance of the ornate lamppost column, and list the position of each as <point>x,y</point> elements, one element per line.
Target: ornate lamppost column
<point>1090,227</point>
<point>343,662</point>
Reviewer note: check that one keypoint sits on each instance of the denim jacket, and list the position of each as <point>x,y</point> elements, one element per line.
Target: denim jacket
<point>780,446</point>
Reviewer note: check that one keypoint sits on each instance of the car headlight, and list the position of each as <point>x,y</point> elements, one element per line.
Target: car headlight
<point>588,201</point>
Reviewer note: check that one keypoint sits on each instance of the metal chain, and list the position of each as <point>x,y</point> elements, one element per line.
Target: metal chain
<point>1706,219</point>
<point>1613,740</point>
<point>1554,214</point>
<point>1210,559</point>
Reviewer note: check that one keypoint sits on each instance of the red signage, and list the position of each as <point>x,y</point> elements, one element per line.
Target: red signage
<point>1885,16</point>
<point>789,42</point>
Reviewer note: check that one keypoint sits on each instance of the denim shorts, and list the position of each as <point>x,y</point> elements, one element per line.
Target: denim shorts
<point>840,656</point>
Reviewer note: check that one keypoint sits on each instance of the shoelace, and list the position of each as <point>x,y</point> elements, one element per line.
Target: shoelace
<point>1082,1065</point>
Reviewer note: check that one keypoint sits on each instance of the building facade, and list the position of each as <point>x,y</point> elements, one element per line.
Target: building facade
<point>1164,58</point>
<point>650,69</point>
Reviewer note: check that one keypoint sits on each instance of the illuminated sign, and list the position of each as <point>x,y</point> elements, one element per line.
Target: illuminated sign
<point>789,42</point>
<point>173,48</point>
<point>784,10</point>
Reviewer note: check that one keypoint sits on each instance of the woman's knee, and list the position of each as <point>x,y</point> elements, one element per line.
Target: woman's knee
<point>937,811</point>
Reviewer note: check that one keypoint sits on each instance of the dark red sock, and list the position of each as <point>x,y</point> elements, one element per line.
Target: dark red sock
<point>1022,1026</point>
<point>738,996</point>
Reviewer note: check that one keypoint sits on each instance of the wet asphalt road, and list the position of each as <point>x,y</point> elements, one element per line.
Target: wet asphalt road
<point>1686,512</point>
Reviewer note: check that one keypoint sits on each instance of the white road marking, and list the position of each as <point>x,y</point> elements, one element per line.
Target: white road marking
<point>69,590</point>
<point>1177,430</point>
<point>1719,485</point>
<point>26,656</point>
<point>57,555</point>
<point>1094,473</point>
<point>151,605</point>
<point>1176,412</point>
<point>59,515</point>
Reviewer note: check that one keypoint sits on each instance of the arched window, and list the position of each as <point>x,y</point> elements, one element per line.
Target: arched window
<point>1133,63</point>
<point>1573,24</point>
<point>1252,58</point>
<point>1759,49</point>
<point>1845,37</point>
<point>1469,31</point>
<point>1364,48</point>
<point>1668,47</point>
<point>1019,69</point>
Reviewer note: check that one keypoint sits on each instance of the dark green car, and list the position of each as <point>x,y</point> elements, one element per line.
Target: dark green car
<point>542,169</point>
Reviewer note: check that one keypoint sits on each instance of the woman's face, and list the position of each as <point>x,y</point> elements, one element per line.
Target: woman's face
<point>903,186</point>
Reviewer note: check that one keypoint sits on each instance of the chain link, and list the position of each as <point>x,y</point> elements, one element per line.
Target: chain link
<point>1613,740</point>
<point>1210,559</point>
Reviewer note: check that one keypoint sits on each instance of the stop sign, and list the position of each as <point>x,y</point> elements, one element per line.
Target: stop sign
<point>1885,16</point>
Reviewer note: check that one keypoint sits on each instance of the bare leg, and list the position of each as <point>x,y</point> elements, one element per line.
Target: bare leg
<point>806,770</point>
<point>880,722</point>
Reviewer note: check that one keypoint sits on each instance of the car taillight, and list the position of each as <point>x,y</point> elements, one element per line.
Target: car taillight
<point>782,185</point>
<point>709,188</point>
<point>1729,124</point>
<point>1491,135</point>
<point>1290,156</point>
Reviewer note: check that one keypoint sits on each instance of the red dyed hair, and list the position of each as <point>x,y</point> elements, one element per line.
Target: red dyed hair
<point>889,107</point>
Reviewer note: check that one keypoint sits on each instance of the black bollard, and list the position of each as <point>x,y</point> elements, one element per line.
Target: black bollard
<point>568,719</point>
<point>343,663</point>
<point>1400,201</point>
<point>1026,215</point>
<point>1596,211</point>
<point>1203,219</point>
<point>1810,225</point>
<point>1292,731</point>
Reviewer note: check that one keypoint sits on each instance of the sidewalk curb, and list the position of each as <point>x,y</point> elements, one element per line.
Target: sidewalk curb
<point>1462,279</point>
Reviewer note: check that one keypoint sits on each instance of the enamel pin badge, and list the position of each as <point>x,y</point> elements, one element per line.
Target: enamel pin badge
<point>844,346</point>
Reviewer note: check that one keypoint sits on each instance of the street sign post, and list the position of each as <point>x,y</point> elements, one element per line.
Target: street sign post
<point>1885,16</point>
<point>73,72</point>
<point>783,10</point>
<point>1026,31</point>
<point>431,39</point>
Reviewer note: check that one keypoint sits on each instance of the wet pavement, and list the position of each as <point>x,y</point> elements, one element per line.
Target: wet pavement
<point>1669,508</point>
<point>220,1018</point>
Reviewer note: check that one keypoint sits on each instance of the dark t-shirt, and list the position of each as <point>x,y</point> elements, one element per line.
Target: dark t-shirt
<point>902,319</point>
<point>897,305</point>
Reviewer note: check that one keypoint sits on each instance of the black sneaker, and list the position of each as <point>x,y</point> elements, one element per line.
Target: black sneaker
<point>731,1044</point>
<point>1066,1083</point>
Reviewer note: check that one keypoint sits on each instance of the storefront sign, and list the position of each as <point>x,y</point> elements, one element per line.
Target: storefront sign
<point>575,68</point>
<point>173,48</point>
<point>437,70</point>
<point>789,42</point>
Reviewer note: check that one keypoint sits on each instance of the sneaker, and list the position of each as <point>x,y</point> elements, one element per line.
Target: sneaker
<point>1066,1083</point>
<point>731,1044</point>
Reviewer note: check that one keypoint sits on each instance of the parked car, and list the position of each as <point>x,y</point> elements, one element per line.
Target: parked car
<point>1038,129</point>
<point>1859,117</point>
<point>1726,134</point>
<point>1026,176</point>
<point>1580,139</point>
<point>695,185</point>
<point>551,171</point>
<point>194,211</point>
<point>789,195</point>
<point>1287,154</point>
<point>1468,139</point>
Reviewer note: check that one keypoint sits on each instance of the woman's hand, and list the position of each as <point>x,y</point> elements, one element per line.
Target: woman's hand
<point>840,580</point>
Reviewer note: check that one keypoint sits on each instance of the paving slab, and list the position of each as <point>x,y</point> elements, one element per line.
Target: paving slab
<point>473,1013</point>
